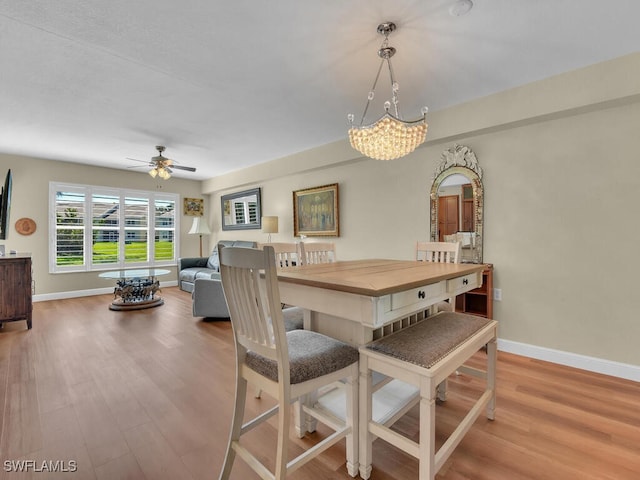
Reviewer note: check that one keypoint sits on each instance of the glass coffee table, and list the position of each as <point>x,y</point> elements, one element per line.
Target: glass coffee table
<point>136,289</point>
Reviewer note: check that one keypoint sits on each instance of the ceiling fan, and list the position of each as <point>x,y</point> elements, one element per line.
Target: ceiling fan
<point>162,166</point>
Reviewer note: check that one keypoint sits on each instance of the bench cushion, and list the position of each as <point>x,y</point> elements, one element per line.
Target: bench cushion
<point>429,341</point>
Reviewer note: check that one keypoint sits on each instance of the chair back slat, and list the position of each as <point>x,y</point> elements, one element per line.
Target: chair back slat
<point>438,252</point>
<point>287,254</point>
<point>318,252</point>
<point>250,285</point>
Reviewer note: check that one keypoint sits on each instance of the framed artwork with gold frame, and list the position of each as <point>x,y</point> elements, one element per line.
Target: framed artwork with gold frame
<point>194,207</point>
<point>315,212</point>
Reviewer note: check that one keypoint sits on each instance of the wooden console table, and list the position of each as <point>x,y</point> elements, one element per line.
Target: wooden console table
<point>15,288</point>
<point>479,301</point>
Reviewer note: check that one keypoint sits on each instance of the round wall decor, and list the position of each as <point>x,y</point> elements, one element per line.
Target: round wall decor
<point>25,226</point>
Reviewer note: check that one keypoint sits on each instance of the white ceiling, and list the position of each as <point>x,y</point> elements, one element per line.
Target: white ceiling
<point>226,84</point>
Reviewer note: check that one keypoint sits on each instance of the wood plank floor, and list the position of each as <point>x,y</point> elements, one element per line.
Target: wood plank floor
<point>148,395</point>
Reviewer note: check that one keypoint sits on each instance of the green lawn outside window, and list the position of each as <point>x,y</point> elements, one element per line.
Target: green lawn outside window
<point>107,252</point>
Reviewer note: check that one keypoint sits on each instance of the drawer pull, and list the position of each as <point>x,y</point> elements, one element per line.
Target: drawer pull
<point>465,281</point>
<point>421,294</point>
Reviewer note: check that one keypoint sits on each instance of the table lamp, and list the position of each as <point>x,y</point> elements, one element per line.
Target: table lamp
<point>269,225</point>
<point>199,227</point>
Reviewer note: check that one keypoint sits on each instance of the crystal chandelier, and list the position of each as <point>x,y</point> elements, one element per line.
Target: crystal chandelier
<point>389,137</point>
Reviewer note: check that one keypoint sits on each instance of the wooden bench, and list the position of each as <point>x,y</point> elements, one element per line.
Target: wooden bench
<point>424,355</point>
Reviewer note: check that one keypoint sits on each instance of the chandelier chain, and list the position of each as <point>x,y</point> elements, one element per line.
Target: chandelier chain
<point>371,93</point>
<point>394,89</point>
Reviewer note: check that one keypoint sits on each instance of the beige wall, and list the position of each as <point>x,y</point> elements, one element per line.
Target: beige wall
<point>30,198</point>
<point>562,175</point>
<point>561,179</point>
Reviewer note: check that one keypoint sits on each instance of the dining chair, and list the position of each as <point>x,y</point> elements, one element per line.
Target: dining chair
<point>451,238</point>
<point>285,365</point>
<point>439,252</point>
<point>287,254</point>
<point>318,252</point>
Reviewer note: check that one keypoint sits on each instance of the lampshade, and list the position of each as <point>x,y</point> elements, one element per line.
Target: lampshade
<point>270,224</point>
<point>160,171</point>
<point>200,227</point>
<point>390,136</point>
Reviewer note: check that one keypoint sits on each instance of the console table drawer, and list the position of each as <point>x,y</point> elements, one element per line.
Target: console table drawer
<point>463,284</point>
<point>422,295</point>
<point>397,305</point>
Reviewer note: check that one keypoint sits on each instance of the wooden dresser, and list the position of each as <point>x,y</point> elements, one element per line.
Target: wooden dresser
<point>15,288</point>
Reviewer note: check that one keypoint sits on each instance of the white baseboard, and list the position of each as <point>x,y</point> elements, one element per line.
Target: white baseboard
<point>592,364</point>
<point>43,297</point>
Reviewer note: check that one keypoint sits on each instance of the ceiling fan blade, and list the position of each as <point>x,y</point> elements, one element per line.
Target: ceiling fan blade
<point>180,167</point>
<point>138,166</point>
<point>160,162</point>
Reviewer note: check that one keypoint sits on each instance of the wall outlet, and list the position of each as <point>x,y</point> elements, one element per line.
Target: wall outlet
<point>497,294</point>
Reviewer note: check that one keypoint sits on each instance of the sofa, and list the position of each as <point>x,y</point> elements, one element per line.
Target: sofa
<point>201,277</point>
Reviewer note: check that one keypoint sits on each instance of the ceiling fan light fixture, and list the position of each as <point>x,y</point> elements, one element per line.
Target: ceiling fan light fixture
<point>162,166</point>
<point>164,173</point>
<point>390,136</point>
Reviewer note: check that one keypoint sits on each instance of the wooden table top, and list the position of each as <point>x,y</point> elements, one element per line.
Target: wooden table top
<point>377,277</point>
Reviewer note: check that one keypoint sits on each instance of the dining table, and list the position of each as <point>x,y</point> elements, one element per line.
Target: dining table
<point>358,301</point>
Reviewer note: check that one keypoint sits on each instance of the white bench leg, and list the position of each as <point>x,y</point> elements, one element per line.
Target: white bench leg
<point>442,391</point>
<point>365,413</point>
<point>352,440</point>
<point>299,424</point>
<point>491,377</point>
<point>427,467</point>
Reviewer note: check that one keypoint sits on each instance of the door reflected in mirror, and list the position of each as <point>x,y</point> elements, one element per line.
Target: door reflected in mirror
<point>457,203</point>
<point>455,206</point>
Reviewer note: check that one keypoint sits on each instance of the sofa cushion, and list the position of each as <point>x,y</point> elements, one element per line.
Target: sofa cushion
<point>214,262</point>
<point>244,243</point>
<point>208,274</point>
<point>190,274</point>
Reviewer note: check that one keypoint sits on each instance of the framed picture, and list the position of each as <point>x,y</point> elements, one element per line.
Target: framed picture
<point>194,207</point>
<point>315,212</point>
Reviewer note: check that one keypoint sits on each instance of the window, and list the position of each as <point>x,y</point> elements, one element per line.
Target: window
<point>99,228</point>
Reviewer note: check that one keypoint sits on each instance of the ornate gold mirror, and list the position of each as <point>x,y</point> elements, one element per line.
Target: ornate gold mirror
<point>457,202</point>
